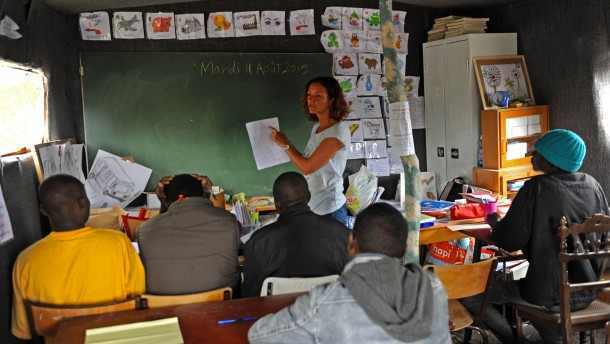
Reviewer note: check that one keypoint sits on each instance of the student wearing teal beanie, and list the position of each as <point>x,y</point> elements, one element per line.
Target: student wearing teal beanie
<point>531,225</point>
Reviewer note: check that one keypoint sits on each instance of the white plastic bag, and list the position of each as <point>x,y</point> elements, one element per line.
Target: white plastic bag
<point>361,190</point>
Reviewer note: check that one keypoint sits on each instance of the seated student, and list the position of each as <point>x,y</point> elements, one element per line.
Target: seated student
<point>193,246</point>
<point>376,299</point>
<point>299,244</point>
<point>531,225</point>
<point>74,264</point>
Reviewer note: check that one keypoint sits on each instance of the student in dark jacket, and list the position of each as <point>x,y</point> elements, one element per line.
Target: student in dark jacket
<point>531,226</point>
<point>299,244</point>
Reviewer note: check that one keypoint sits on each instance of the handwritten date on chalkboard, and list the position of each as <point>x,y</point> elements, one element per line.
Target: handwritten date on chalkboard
<point>252,68</point>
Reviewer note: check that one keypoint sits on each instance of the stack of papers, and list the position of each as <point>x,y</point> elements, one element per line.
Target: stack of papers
<point>465,26</point>
<point>436,208</point>
<point>480,197</point>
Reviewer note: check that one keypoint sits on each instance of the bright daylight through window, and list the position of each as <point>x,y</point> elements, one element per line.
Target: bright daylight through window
<point>22,108</point>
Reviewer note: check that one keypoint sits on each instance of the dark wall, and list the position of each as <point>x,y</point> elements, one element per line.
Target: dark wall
<point>566,48</point>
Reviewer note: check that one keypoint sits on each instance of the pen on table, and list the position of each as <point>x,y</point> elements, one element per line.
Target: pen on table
<point>236,320</point>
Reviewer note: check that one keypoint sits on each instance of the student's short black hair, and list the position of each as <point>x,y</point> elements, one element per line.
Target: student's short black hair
<point>290,188</point>
<point>185,185</point>
<point>381,229</point>
<point>60,185</point>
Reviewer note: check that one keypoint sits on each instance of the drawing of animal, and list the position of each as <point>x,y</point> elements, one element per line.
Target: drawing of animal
<point>191,24</point>
<point>127,25</point>
<point>398,42</point>
<point>161,24</point>
<point>346,62</point>
<point>374,128</point>
<point>332,40</point>
<point>371,63</point>
<point>355,40</point>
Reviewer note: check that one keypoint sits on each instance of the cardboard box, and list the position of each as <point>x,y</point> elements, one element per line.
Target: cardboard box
<point>220,200</point>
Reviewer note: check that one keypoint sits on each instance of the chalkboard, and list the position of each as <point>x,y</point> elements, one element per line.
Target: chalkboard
<point>186,112</point>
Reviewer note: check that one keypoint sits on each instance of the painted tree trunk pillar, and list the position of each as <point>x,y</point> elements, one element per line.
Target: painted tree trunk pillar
<point>399,113</point>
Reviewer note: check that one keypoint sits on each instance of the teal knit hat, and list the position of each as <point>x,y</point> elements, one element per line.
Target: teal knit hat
<point>562,148</point>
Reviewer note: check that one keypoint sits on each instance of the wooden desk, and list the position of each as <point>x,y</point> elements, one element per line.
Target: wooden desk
<point>198,321</point>
<point>439,232</point>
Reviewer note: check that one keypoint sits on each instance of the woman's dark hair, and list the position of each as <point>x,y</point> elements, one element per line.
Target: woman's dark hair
<point>338,109</point>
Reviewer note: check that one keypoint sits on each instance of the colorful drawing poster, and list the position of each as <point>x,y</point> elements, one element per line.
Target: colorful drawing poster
<point>375,149</point>
<point>346,63</point>
<point>383,87</point>
<point>354,108</point>
<point>352,19</point>
<point>354,41</point>
<point>332,17</point>
<point>273,23</point>
<point>369,63</point>
<point>379,167</point>
<point>332,41</point>
<point>114,181</point>
<point>398,20</point>
<point>348,85</point>
<point>301,23</point>
<point>412,86</point>
<point>368,84</point>
<point>190,26</point>
<point>373,42</point>
<point>355,129</point>
<point>95,26</point>
<point>370,107</point>
<point>401,42</point>
<point>428,186</point>
<point>220,24</point>
<point>160,25</point>
<point>6,229</point>
<point>247,24</point>
<point>127,25</point>
<point>372,19</point>
<point>373,128</point>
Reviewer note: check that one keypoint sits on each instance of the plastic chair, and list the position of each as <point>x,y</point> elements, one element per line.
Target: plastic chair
<point>462,281</point>
<point>598,313</point>
<point>156,301</point>
<point>44,318</point>
<point>287,285</point>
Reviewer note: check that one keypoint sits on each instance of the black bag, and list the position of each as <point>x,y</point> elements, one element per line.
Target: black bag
<point>453,188</point>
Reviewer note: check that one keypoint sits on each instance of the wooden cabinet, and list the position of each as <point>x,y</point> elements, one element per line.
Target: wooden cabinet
<point>496,180</point>
<point>509,135</point>
<point>452,100</point>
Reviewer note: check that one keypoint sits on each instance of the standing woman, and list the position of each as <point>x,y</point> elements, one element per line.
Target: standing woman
<point>326,153</point>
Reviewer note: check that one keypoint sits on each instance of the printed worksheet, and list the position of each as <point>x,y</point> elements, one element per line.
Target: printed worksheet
<point>62,159</point>
<point>401,133</point>
<point>6,230</point>
<point>266,152</point>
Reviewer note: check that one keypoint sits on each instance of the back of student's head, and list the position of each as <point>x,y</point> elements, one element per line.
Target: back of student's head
<point>184,185</point>
<point>381,229</point>
<point>290,188</point>
<point>64,201</point>
<point>58,188</point>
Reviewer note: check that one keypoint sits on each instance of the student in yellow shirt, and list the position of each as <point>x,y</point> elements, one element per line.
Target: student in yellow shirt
<point>74,264</point>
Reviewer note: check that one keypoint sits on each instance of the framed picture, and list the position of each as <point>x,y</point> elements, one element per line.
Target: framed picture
<point>498,76</point>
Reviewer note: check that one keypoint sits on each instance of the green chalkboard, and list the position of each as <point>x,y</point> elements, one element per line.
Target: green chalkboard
<point>186,112</point>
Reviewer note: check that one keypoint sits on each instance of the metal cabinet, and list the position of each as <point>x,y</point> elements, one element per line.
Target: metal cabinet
<point>452,100</point>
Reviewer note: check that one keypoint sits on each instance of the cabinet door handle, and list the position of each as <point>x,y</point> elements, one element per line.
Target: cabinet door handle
<point>467,64</point>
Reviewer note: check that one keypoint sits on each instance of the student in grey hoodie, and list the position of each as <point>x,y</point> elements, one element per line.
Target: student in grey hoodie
<point>376,299</point>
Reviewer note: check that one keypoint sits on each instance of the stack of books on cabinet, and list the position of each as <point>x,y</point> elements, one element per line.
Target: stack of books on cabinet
<point>452,26</point>
<point>438,29</point>
<point>508,136</point>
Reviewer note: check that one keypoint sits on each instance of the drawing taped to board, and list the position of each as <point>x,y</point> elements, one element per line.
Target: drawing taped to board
<point>64,158</point>
<point>113,181</point>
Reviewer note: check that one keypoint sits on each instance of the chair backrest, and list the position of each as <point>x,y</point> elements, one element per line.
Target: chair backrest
<point>156,301</point>
<point>44,318</point>
<point>465,280</point>
<point>286,285</point>
<point>589,240</point>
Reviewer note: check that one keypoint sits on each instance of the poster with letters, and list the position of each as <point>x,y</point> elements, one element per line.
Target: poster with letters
<point>127,25</point>
<point>95,26</point>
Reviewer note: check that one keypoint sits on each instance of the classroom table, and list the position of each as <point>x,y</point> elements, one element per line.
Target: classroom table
<point>439,232</point>
<point>198,321</point>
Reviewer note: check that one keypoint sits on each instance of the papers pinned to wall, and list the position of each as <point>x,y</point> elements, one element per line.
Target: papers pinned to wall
<point>273,23</point>
<point>114,181</point>
<point>332,17</point>
<point>127,25</point>
<point>63,158</point>
<point>301,23</point>
<point>6,230</point>
<point>355,128</point>
<point>346,63</point>
<point>401,134</point>
<point>247,24</point>
<point>190,26</point>
<point>160,25</point>
<point>379,167</point>
<point>220,24</point>
<point>348,85</point>
<point>94,26</point>
<point>332,41</point>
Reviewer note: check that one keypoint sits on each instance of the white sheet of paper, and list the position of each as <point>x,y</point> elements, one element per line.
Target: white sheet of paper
<point>379,167</point>
<point>112,180</point>
<point>266,152</point>
<point>470,226</point>
<point>416,109</point>
<point>64,158</point>
<point>401,135</point>
<point>6,230</point>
